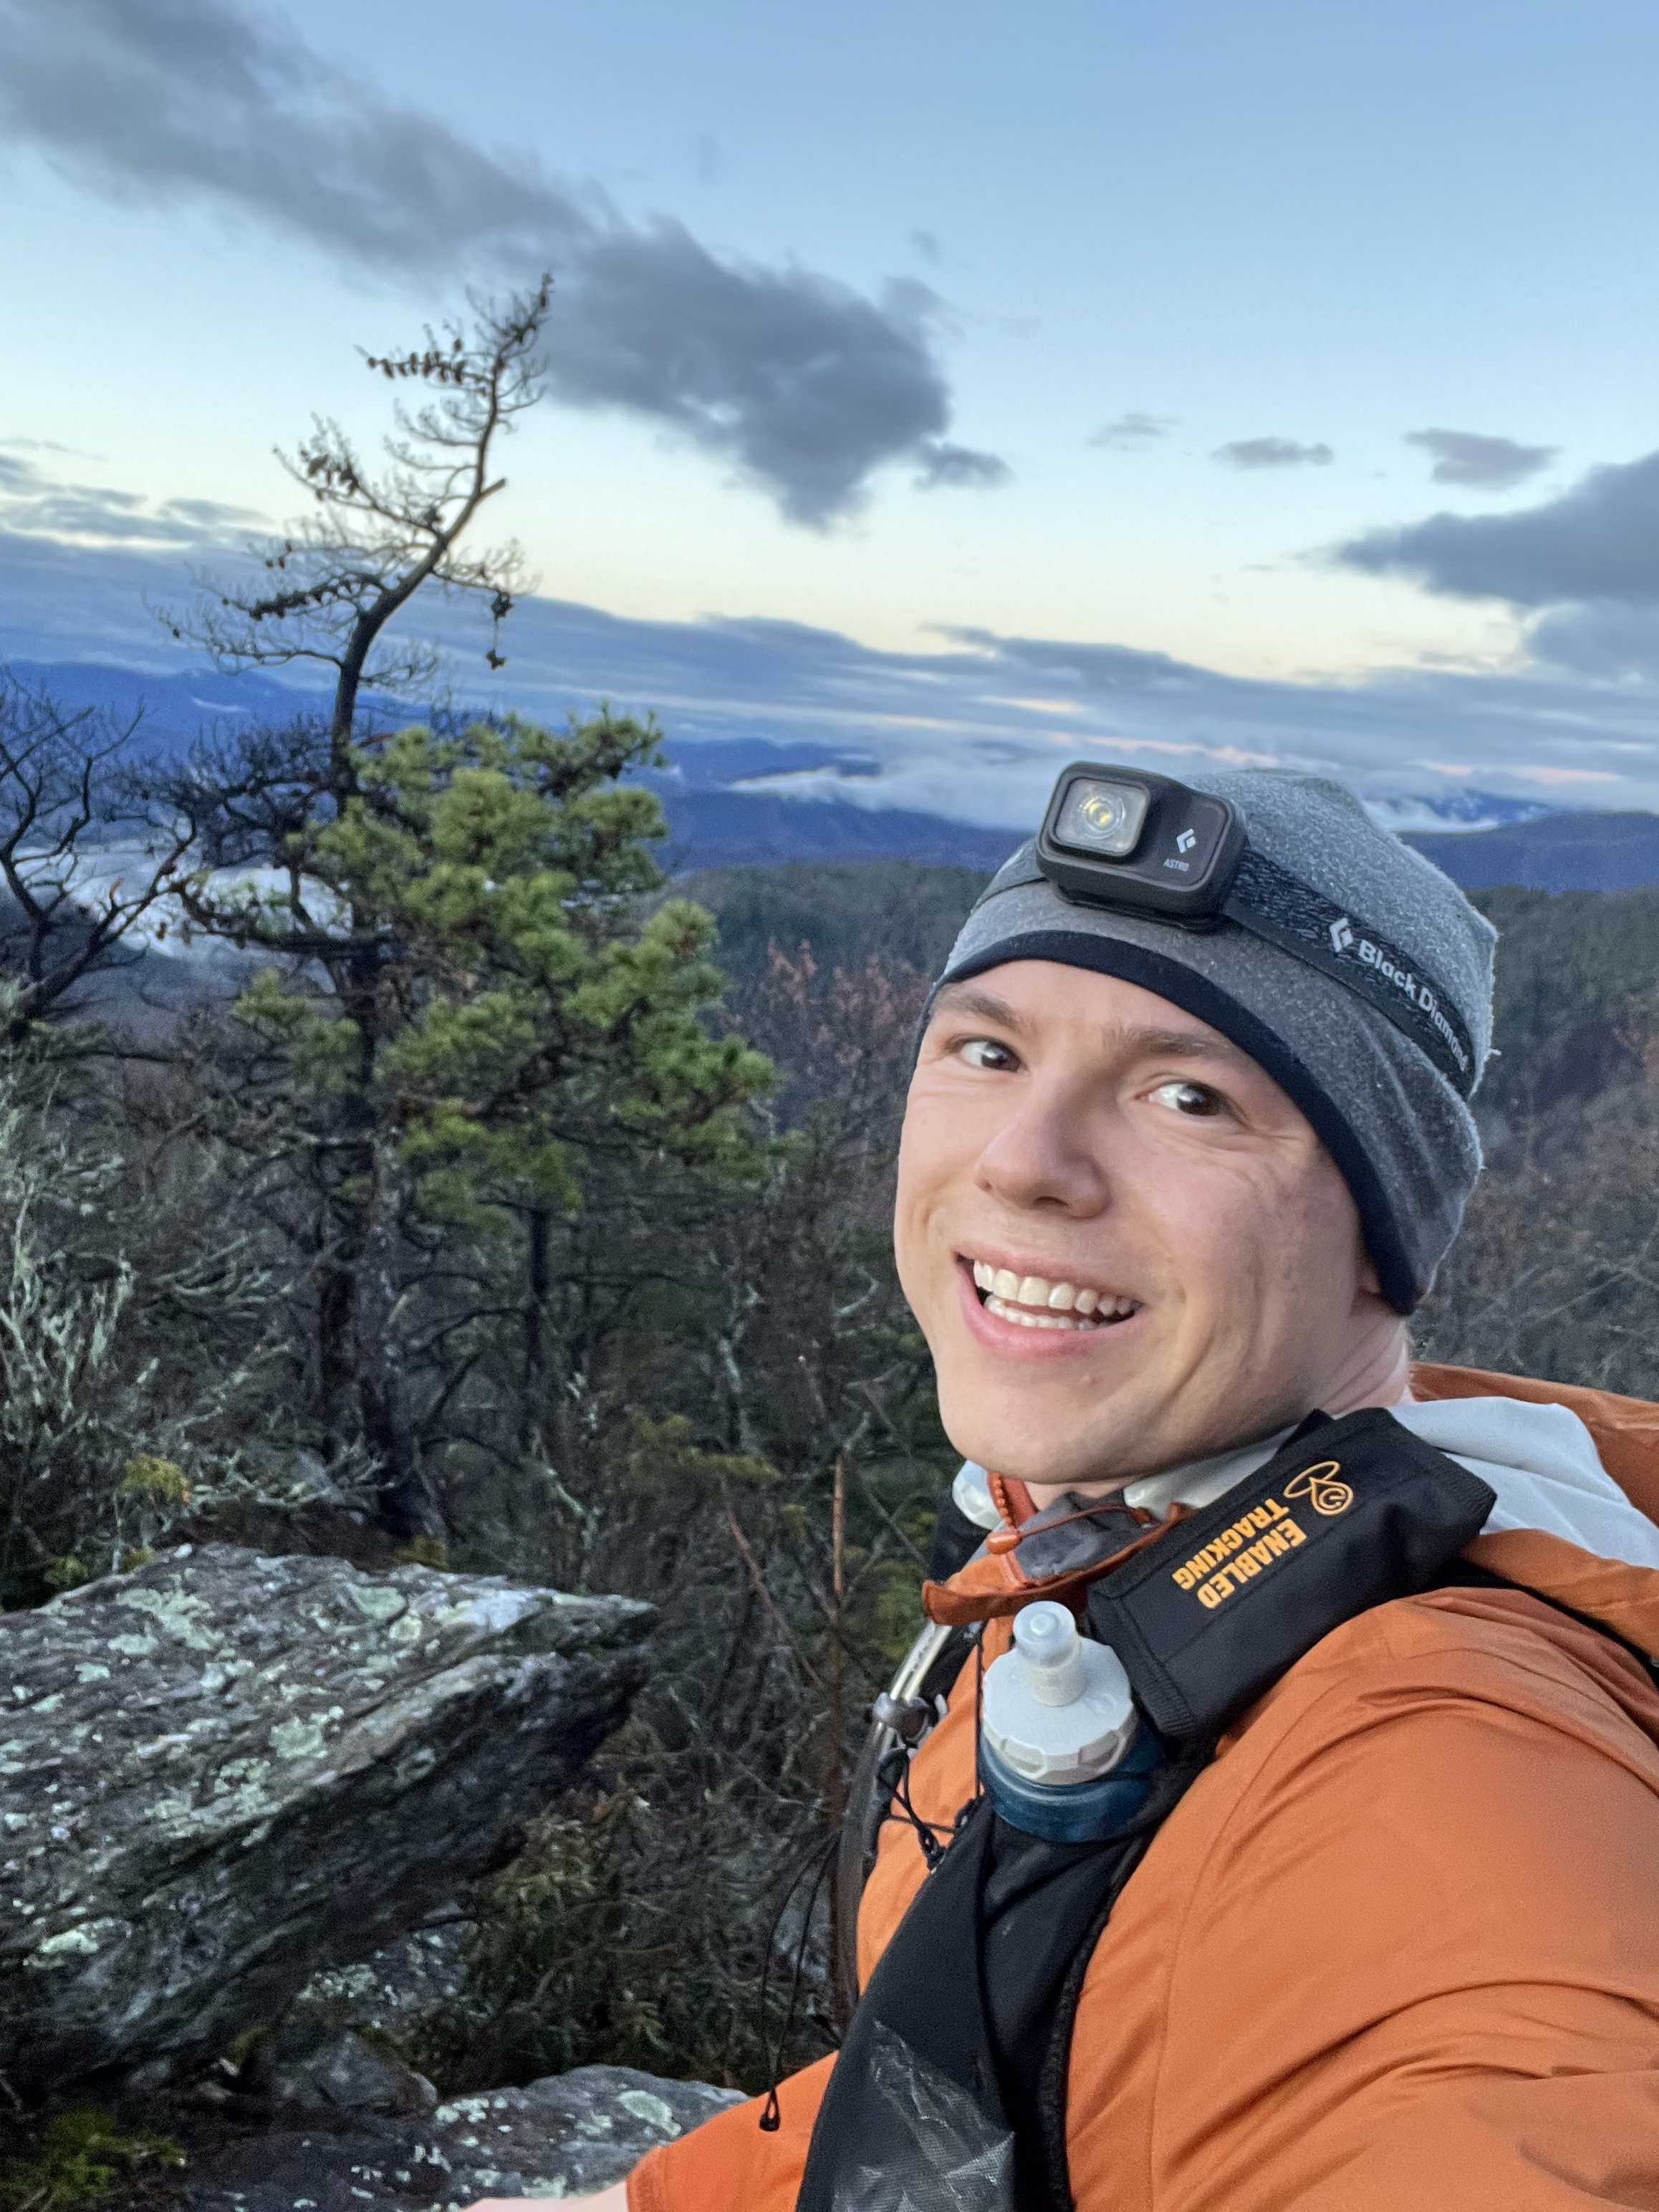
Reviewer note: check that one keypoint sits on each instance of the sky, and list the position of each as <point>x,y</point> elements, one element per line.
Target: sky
<point>1242,377</point>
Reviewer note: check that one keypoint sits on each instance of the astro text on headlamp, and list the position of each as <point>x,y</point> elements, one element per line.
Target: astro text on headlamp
<point>1122,838</point>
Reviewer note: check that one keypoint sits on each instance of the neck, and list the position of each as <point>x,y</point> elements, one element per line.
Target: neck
<point>1376,1371</point>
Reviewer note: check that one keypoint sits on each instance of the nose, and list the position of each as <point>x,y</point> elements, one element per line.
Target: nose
<point>1048,1155</point>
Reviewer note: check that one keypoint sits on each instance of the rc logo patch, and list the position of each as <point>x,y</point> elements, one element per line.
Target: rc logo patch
<point>1322,1492</point>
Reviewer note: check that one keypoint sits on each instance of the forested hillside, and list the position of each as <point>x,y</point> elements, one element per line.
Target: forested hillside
<point>627,1315</point>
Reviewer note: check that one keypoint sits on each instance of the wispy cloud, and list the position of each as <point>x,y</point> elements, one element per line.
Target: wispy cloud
<point>1469,457</point>
<point>1273,454</point>
<point>961,467</point>
<point>33,504</point>
<point>1132,433</point>
<point>807,385</point>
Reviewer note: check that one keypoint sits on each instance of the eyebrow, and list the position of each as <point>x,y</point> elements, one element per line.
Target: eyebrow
<point>1170,1044</point>
<point>964,998</point>
<point>1130,1043</point>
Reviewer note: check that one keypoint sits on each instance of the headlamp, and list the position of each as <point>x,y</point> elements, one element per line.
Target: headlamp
<point>1117,837</point>
<point>1123,838</point>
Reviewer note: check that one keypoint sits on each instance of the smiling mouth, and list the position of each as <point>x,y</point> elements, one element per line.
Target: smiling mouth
<point>1034,1302</point>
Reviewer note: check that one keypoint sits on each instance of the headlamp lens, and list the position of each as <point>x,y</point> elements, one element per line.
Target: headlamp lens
<point>1105,819</point>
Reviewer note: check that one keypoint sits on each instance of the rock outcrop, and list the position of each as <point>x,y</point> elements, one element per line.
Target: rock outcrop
<point>569,2136</point>
<point>221,1772</point>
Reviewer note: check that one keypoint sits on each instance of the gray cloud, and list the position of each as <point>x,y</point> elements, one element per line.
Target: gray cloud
<point>962,468</point>
<point>1599,541</point>
<point>805,384</point>
<point>1129,433</point>
<point>1600,639</point>
<point>1467,457</point>
<point>1272,453</point>
<point>35,505</point>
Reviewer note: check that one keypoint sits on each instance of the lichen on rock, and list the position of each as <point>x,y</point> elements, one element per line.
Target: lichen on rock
<point>223,1771</point>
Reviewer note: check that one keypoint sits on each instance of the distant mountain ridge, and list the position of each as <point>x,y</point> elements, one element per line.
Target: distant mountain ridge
<point>1555,853</point>
<point>729,805</point>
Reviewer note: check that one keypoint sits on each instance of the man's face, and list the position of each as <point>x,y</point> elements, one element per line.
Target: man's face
<point>1126,1247</point>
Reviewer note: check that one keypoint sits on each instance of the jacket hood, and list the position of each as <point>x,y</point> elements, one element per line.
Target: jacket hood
<point>1540,1458</point>
<point>1542,1462</point>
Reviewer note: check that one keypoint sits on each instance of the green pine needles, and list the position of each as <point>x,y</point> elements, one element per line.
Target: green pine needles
<point>482,985</point>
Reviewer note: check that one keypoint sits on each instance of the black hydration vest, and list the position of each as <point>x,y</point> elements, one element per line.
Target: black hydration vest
<point>948,2095</point>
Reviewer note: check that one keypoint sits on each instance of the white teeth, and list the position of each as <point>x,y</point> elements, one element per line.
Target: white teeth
<point>994,1304</point>
<point>1033,1302</point>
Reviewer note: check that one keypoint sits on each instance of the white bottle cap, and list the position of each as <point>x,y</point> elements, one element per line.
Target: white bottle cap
<point>972,1497</point>
<point>1056,1709</point>
<point>1046,1638</point>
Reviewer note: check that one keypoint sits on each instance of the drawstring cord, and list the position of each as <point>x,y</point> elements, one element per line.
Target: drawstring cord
<point>1001,1541</point>
<point>1004,1541</point>
<point>978,1725</point>
<point>927,1832</point>
<point>818,1866</point>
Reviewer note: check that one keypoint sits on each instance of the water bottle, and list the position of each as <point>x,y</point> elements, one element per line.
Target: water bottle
<point>1063,1752</point>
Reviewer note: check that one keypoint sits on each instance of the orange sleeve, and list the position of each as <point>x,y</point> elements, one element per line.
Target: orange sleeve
<point>1422,1966</point>
<point>727,2165</point>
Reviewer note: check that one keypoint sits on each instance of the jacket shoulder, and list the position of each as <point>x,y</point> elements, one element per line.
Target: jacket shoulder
<point>1626,1430</point>
<point>1415,1877</point>
<point>1493,1652</point>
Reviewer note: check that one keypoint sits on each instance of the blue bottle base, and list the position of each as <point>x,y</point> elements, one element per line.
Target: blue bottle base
<point>1077,1812</point>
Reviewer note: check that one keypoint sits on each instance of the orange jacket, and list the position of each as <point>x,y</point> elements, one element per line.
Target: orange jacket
<point>1397,1945</point>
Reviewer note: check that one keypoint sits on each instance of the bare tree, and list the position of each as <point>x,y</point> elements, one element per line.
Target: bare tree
<point>84,857</point>
<point>373,541</point>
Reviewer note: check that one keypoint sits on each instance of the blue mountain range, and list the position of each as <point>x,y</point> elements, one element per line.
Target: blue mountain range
<point>718,818</point>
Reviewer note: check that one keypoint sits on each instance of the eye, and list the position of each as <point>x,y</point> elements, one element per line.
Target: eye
<point>987,1053</point>
<point>1196,1100</point>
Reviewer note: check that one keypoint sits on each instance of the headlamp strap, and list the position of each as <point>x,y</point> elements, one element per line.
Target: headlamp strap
<point>1271,903</point>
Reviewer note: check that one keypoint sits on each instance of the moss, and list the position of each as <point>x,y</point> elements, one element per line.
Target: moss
<point>246,2044</point>
<point>76,2157</point>
<point>146,1476</point>
<point>425,1551</point>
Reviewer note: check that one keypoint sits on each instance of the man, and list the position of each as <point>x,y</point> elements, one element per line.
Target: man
<point>1391,1935</point>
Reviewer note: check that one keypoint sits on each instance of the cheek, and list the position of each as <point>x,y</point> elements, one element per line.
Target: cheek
<point>1255,1238</point>
<point>929,1163</point>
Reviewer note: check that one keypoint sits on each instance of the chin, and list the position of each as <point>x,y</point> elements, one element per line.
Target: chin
<point>1030,1442</point>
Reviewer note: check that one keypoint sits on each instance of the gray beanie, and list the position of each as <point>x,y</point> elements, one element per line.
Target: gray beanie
<point>1398,1129</point>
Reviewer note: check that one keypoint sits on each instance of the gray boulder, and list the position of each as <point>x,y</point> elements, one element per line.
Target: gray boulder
<point>569,2136</point>
<point>221,1772</point>
<point>399,1989</point>
<point>304,2070</point>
